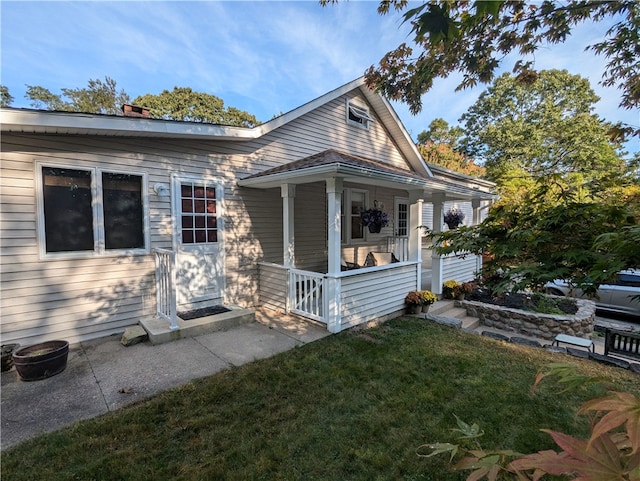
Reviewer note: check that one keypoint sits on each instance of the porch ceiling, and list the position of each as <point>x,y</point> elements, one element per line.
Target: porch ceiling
<point>331,164</point>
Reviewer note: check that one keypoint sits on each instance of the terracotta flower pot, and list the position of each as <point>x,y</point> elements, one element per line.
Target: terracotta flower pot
<point>41,361</point>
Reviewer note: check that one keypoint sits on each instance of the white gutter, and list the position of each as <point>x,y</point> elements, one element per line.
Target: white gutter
<point>29,121</point>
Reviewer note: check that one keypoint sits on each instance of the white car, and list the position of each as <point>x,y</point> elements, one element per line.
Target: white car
<point>615,297</point>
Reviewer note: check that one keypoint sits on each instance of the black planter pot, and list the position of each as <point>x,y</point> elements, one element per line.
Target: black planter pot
<point>41,361</point>
<point>375,228</point>
<point>452,225</point>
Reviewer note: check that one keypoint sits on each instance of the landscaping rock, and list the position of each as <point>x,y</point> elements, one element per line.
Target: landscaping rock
<point>495,335</point>
<point>524,341</point>
<point>610,361</point>
<point>133,335</point>
<point>445,321</point>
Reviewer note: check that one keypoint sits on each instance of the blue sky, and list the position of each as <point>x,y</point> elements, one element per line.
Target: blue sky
<point>264,57</point>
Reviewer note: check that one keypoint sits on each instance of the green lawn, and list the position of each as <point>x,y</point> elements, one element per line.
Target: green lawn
<point>354,406</point>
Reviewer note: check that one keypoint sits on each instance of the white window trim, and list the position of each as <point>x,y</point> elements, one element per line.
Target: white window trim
<point>176,211</point>
<point>360,112</point>
<point>98,214</point>
<point>346,195</point>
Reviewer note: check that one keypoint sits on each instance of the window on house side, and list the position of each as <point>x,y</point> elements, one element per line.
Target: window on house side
<point>123,213</point>
<point>359,116</point>
<point>353,202</point>
<point>68,211</point>
<point>85,213</point>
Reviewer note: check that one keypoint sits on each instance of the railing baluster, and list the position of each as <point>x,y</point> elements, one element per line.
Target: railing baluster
<point>166,304</point>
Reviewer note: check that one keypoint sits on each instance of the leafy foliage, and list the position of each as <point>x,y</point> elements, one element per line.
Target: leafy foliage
<point>97,98</point>
<point>102,97</point>
<point>183,103</point>
<point>6,99</point>
<point>544,131</point>
<point>531,244</point>
<point>610,454</point>
<point>440,133</point>
<point>474,37</point>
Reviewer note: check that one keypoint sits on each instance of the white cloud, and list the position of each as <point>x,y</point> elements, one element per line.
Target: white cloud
<point>264,57</point>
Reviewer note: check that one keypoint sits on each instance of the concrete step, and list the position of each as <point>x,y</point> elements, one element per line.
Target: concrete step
<point>159,331</point>
<point>447,308</point>
<point>442,305</point>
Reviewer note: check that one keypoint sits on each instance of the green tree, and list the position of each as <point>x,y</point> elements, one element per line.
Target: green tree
<point>185,104</point>
<point>99,97</point>
<point>474,37</point>
<point>583,242</point>
<point>6,99</point>
<point>439,132</point>
<point>544,132</point>
<point>438,145</point>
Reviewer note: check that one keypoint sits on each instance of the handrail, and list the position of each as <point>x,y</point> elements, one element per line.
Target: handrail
<point>166,303</point>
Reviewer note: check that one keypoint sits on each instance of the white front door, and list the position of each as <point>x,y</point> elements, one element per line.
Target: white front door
<point>198,241</point>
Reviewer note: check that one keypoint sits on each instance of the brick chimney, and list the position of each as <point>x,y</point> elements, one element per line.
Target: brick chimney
<point>133,111</point>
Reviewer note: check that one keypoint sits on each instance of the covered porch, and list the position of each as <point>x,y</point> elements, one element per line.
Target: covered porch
<point>343,284</point>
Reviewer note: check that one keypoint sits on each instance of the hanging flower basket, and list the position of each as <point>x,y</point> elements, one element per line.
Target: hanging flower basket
<point>375,219</point>
<point>453,218</point>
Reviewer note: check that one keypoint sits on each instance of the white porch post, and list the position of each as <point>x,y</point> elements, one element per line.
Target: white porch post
<point>415,235</point>
<point>288,192</point>
<point>475,205</point>
<point>332,302</point>
<point>436,264</point>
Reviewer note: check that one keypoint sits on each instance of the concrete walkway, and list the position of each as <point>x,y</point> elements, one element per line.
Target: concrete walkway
<point>103,375</point>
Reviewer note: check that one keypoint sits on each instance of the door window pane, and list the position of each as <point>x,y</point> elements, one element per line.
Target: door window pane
<point>123,213</point>
<point>402,220</point>
<point>68,214</point>
<point>199,221</point>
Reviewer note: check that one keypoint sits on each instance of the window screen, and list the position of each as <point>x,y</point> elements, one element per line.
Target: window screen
<point>123,212</point>
<point>68,212</point>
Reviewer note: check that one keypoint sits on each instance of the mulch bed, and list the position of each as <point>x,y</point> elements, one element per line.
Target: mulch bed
<point>525,302</point>
<point>203,312</point>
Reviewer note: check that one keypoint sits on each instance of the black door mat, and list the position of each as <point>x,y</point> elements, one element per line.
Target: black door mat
<point>203,312</point>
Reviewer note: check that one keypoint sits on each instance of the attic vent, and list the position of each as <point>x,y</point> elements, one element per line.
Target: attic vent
<point>358,116</point>
<point>134,111</point>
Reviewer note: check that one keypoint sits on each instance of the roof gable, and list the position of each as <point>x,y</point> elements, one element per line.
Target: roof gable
<point>73,123</point>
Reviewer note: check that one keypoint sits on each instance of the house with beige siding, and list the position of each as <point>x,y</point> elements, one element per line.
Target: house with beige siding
<point>110,220</point>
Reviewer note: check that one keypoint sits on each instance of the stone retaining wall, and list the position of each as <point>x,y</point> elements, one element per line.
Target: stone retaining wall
<point>545,326</point>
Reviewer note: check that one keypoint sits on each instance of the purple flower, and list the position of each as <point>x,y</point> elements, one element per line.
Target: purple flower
<point>374,216</point>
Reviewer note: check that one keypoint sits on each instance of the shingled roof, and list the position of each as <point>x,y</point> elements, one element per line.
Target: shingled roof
<point>334,157</point>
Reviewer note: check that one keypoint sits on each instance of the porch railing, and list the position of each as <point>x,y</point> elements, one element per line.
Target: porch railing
<point>306,291</point>
<point>399,246</point>
<point>166,303</point>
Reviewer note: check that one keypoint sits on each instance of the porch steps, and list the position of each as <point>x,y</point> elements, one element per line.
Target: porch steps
<point>159,332</point>
<point>447,308</point>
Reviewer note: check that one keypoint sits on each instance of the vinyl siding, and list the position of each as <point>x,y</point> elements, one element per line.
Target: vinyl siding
<point>97,295</point>
<point>459,269</point>
<point>273,285</point>
<point>368,296</point>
